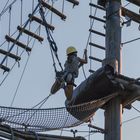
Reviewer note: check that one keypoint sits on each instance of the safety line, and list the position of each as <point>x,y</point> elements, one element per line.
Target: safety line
<point>127,42</point>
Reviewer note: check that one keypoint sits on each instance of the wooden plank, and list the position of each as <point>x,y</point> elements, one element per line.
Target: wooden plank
<point>97,46</point>
<point>20,44</point>
<point>97,128</point>
<point>75,2</point>
<point>96,59</point>
<point>39,38</point>
<point>38,20</point>
<point>91,71</point>
<point>45,4</point>
<point>133,16</point>
<point>96,6</point>
<point>4,68</point>
<point>17,58</point>
<point>96,18</point>
<point>136,2</point>
<point>96,32</point>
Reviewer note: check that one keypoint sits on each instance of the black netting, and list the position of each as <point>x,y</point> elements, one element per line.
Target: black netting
<point>49,119</point>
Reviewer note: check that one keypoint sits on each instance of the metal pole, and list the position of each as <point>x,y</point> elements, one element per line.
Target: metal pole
<point>113,111</point>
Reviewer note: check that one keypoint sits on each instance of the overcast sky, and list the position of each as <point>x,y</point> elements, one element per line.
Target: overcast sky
<point>39,74</point>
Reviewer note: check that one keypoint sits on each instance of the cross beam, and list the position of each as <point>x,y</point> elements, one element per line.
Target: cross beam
<point>136,2</point>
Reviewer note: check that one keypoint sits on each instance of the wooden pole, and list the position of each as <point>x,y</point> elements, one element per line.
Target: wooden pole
<point>113,110</point>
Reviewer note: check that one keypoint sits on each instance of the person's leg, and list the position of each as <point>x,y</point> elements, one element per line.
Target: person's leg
<point>68,91</point>
<point>69,87</point>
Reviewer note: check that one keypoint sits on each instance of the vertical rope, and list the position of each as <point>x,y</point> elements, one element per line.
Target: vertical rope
<point>33,3</point>
<point>22,73</point>
<point>28,38</point>
<point>21,12</point>
<point>5,6</point>
<point>63,6</point>
<point>51,13</point>
<point>90,36</point>
<point>21,17</point>
<point>9,31</point>
<point>89,133</point>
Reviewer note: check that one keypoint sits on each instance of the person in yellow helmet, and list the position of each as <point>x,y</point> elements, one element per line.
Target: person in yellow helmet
<point>71,69</point>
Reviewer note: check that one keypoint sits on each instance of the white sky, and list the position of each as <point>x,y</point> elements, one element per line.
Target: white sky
<point>39,74</point>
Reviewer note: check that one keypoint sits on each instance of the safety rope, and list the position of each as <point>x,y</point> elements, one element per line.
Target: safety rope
<point>19,55</point>
<point>89,38</point>
<point>33,1</point>
<point>136,109</point>
<point>21,12</point>
<point>130,41</point>
<point>38,108</point>
<point>51,41</point>
<point>89,133</point>
<point>84,75</point>
<point>22,72</point>
<point>91,10</point>
<point>19,35</point>
<point>9,31</point>
<point>63,6</point>
<point>132,119</point>
<point>42,102</point>
<point>6,8</point>
<point>51,19</point>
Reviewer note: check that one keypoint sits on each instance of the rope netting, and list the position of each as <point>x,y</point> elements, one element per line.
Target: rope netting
<point>24,119</point>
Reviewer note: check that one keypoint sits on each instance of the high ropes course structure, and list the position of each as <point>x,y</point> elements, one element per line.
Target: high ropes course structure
<point>100,87</point>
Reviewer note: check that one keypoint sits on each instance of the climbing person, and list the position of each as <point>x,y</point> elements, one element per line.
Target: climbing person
<point>66,78</point>
<point>71,69</point>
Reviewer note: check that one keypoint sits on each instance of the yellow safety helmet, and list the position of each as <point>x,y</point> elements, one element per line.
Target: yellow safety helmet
<point>70,50</point>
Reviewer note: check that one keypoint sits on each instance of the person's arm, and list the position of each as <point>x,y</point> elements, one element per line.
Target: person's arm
<point>83,60</point>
